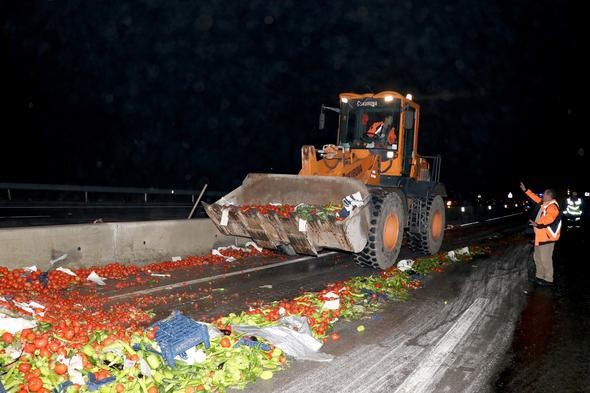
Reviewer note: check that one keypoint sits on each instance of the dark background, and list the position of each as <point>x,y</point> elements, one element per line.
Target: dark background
<point>176,93</point>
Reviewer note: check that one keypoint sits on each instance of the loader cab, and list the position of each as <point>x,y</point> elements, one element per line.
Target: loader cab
<point>370,123</point>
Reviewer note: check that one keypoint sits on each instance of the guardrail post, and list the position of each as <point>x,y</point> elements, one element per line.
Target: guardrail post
<point>145,197</point>
<point>9,196</point>
<point>86,196</point>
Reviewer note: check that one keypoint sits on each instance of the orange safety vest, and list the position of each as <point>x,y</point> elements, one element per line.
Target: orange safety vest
<point>391,137</point>
<point>375,129</point>
<point>548,220</point>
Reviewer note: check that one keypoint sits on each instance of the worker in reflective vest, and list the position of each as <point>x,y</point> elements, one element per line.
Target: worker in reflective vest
<point>574,205</point>
<point>547,227</point>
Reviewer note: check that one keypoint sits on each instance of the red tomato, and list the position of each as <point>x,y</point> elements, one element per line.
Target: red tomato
<point>40,342</point>
<point>153,389</point>
<point>8,338</point>
<point>69,334</point>
<point>53,346</point>
<point>60,369</point>
<point>24,367</point>
<point>335,336</point>
<point>150,334</point>
<point>120,388</point>
<point>225,343</point>
<point>189,389</point>
<point>29,348</point>
<point>35,384</point>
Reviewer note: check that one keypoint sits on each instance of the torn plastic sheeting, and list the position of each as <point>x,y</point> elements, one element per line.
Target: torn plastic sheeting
<point>193,355</point>
<point>405,264</point>
<point>66,271</point>
<point>293,337</point>
<point>254,245</point>
<point>29,307</point>
<point>30,268</point>
<point>217,253</point>
<point>331,301</point>
<point>176,259</point>
<point>452,256</point>
<point>462,251</point>
<point>95,278</point>
<point>15,325</point>
<point>454,253</point>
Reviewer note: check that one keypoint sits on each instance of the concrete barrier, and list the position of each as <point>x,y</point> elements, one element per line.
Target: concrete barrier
<point>97,244</point>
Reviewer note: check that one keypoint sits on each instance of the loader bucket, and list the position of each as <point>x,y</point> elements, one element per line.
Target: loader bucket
<point>283,233</point>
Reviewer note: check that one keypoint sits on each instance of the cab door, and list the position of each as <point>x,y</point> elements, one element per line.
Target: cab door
<point>409,119</point>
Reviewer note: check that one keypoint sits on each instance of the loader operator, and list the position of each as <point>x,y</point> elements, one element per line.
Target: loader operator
<point>547,227</point>
<point>377,130</point>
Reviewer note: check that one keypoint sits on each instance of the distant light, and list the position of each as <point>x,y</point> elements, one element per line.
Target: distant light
<point>489,207</point>
<point>172,192</point>
<point>449,203</point>
<point>462,209</point>
<point>516,205</point>
<point>505,206</point>
<point>587,194</point>
<point>388,98</point>
<point>409,97</point>
<point>478,196</point>
<point>344,100</point>
<point>509,195</point>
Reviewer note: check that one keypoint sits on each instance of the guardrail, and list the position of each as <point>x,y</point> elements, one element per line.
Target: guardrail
<point>86,190</point>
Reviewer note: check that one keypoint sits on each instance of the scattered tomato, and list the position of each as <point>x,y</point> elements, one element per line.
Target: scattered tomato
<point>7,338</point>
<point>60,369</point>
<point>225,343</point>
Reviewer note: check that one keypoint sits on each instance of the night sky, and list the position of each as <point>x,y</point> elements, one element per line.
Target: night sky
<point>176,93</point>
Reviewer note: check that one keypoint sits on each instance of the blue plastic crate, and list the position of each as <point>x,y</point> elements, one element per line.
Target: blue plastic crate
<point>177,334</point>
<point>253,344</point>
<point>94,384</point>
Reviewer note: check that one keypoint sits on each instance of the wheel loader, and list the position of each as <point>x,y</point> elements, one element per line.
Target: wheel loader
<point>375,157</point>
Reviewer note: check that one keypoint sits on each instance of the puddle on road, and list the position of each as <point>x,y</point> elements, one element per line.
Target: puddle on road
<point>551,342</point>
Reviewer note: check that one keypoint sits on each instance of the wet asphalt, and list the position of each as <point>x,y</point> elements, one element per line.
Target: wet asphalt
<point>551,347</point>
<point>475,327</point>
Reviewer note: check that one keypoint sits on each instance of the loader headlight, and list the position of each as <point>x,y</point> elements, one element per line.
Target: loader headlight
<point>344,100</point>
<point>409,97</point>
<point>388,98</point>
<point>390,154</point>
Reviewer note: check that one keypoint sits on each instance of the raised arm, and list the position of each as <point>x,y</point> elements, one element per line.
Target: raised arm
<point>529,193</point>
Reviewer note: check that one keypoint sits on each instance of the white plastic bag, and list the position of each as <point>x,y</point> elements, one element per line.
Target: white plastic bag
<point>293,337</point>
<point>405,264</point>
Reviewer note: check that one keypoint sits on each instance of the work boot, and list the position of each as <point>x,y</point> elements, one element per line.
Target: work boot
<point>544,283</point>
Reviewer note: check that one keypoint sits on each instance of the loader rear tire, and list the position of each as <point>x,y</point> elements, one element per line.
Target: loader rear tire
<point>427,225</point>
<point>385,231</point>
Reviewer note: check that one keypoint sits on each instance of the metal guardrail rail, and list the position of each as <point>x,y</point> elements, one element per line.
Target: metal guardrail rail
<point>99,189</point>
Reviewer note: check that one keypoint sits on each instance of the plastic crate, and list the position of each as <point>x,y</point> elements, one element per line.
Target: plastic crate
<point>94,384</point>
<point>253,344</point>
<point>62,387</point>
<point>177,334</point>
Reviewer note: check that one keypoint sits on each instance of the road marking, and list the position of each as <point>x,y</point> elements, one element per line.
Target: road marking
<point>470,223</point>
<point>489,219</point>
<point>422,379</point>
<point>220,276</point>
<point>506,216</point>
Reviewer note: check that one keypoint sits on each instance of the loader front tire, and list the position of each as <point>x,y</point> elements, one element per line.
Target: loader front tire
<point>427,225</point>
<point>385,231</point>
